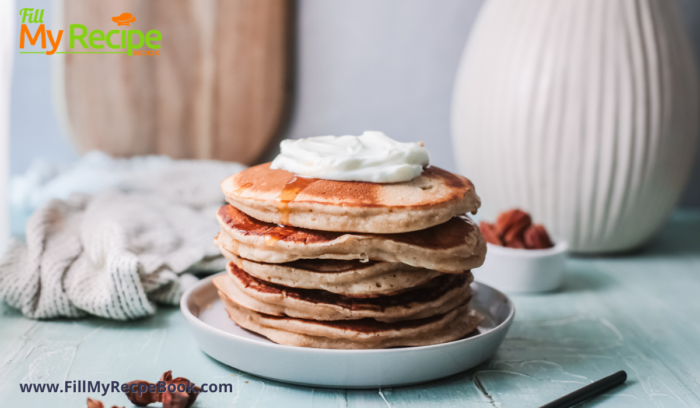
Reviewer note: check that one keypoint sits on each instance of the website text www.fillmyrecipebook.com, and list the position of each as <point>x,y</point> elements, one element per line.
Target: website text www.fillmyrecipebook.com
<point>80,386</point>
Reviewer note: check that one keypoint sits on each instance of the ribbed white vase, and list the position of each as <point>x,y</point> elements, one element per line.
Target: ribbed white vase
<point>583,112</point>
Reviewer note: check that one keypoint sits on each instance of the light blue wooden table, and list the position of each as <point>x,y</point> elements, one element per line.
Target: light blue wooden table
<point>639,313</point>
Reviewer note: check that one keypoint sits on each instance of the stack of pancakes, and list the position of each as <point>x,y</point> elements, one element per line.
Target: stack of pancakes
<point>337,264</point>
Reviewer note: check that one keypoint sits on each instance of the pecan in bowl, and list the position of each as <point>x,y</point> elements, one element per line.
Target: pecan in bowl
<point>514,229</point>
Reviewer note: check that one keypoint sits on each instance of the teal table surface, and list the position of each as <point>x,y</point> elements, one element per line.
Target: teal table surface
<point>639,313</point>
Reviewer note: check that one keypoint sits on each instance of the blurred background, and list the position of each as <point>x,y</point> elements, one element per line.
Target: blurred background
<point>388,65</point>
<point>358,65</point>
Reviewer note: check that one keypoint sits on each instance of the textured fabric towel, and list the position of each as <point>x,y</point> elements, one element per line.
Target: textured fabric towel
<point>117,253</point>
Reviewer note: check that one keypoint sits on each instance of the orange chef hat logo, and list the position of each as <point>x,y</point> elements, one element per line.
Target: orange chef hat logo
<point>124,19</point>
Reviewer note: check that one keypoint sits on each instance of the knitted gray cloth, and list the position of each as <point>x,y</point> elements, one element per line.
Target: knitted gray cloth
<point>119,252</point>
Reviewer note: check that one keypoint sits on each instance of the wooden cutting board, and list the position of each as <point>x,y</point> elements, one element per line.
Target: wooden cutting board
<point>218,90</point>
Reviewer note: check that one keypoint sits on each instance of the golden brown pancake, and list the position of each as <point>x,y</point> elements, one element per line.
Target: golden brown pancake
<point>438,296</point>
<point>451,247</point>
<point>278,196</point>
<point>356,334</point>
<point>350,278</point>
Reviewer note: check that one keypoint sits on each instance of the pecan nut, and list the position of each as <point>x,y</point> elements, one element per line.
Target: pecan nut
<point>536,237</point>
<point>490,234</point>
<point>138,397</point>
<point>514,229</point>
<point>511,225</point>
<point>181,397</point>
<point>516,242</point>
<point>179,392</point>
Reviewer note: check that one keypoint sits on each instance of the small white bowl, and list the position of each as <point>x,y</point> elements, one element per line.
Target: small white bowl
<point>523,270</point>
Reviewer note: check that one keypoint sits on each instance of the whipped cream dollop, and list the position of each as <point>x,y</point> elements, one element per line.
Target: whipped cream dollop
<point>372,157</point>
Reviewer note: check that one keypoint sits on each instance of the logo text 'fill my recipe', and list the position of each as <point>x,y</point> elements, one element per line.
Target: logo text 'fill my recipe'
<point>91,41</point>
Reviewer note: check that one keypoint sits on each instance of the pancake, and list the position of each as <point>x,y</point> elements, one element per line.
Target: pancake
<point>356,334</point>
<point>438,296</point>
<point>278,196</point>
<point>452,247</point>
<point>350,278</point>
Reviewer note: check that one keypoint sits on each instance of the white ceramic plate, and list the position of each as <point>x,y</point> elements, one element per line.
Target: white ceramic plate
<point>223,340</point>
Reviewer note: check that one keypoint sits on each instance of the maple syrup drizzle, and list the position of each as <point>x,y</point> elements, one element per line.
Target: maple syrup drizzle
<point>276,234</point>
<point>294,186</point>
<point>241,189</point>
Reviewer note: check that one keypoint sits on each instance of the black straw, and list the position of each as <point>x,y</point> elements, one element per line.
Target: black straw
<point>591,390</point>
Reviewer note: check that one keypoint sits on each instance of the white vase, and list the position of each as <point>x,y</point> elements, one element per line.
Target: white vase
<point>583,112</point>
